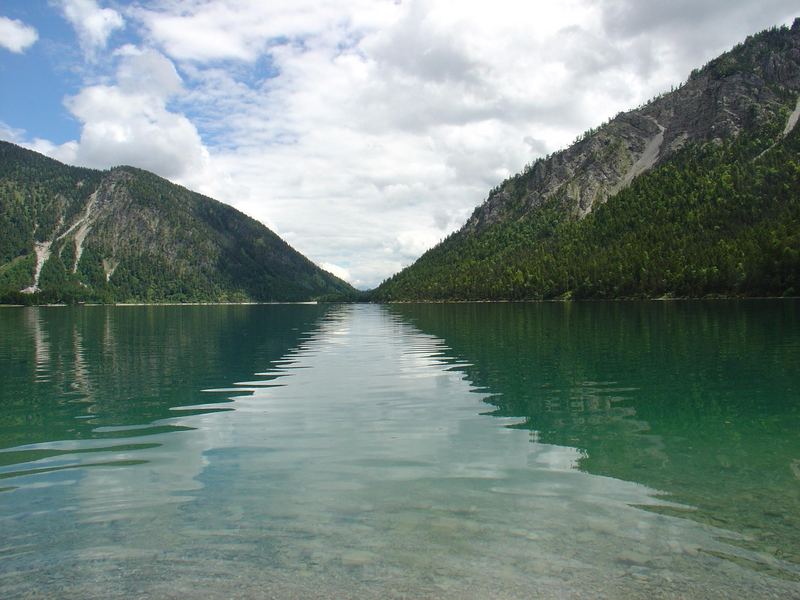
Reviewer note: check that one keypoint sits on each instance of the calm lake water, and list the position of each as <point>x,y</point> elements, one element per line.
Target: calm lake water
<point>620,450</point>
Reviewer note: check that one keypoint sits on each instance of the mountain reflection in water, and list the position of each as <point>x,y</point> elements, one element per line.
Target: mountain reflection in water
<point>552,450</point>
<point>700,400</point>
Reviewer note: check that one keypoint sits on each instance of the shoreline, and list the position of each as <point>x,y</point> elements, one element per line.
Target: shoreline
<point>589,300</point>
<point>93,304</point>
<point>316,302</point>
<point>583,300</point>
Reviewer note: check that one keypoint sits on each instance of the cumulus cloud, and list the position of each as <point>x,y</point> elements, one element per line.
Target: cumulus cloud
<point>92,24</point>
<point>121,127</point>
<point>16,36</point>
<point>129,123</point>
<point>147,72</point>
<point>66,152</point>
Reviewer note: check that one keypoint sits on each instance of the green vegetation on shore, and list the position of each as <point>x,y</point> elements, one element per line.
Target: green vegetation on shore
<point>718,219</point>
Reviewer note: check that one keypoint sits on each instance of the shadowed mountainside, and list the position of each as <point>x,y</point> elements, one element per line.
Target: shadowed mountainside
<point>125,234</point>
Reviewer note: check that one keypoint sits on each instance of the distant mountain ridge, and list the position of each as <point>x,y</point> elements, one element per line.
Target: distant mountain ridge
<point>72,234</point>
<point>541,233</point>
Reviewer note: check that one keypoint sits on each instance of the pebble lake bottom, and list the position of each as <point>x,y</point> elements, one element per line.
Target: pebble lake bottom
<point>578,450</point>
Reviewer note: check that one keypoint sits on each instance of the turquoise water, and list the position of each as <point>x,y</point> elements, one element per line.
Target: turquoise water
<point>642,450</point>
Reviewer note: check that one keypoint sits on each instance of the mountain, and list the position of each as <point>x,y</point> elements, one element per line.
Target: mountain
<point>695,193</point>
<point>72,234</point>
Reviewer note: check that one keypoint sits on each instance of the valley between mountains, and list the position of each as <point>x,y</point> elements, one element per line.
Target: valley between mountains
<point>694,194</point>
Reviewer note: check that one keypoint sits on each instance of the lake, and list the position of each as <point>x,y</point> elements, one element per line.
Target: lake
<point>553,450</point>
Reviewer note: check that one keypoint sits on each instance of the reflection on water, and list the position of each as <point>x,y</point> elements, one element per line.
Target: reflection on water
<point>68,372</point>
<point>307,451</point>
<point>699,400</point>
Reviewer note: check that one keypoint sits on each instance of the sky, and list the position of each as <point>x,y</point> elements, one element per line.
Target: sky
<point>362,131</point>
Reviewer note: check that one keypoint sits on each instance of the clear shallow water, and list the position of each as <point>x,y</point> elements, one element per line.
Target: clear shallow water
<point>547,450</point>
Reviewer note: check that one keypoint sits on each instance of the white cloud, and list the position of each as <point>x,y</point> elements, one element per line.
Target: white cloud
<point>129,123</point>
<point>11,134</point>
<point>243,30</point>
<point>66,152</point>
<point>93,24</point>
<point>16,36</point>
<point>340,272</point>
<point>123,127</point>
<point>147,72</point>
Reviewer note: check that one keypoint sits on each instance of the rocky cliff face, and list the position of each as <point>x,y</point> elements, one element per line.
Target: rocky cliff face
<point>741,89</point>
<point>126,234</point>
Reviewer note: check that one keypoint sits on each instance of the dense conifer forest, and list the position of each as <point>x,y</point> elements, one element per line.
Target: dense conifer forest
<point>721,219</point>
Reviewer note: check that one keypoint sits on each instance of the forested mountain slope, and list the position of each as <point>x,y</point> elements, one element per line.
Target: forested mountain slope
<point>71,234</point>
<point>695,193</point>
